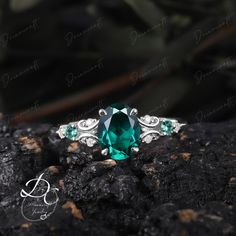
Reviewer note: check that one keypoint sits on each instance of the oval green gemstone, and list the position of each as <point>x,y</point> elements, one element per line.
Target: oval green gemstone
<point>71,132</point>
<point>119,131</point>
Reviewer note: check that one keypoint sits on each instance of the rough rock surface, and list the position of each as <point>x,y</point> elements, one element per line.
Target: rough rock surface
<point>181,185</point>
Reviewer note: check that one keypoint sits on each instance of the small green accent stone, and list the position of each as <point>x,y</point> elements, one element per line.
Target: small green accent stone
<point>71,132</point>
<point>119,131</point>
<point>167,127</point>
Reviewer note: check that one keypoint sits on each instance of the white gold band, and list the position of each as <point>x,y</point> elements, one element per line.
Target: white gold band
<point>152,128</point>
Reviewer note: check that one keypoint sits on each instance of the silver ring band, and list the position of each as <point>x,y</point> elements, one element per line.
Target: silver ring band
<point>151,128</point>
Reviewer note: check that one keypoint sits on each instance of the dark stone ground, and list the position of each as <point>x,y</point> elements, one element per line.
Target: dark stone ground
<point>182,185</point>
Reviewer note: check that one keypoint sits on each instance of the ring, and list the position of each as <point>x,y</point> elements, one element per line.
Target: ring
<point>119,131</point>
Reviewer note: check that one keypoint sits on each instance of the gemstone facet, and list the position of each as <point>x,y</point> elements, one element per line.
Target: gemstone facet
<point>119,131</point>
<point>71,132</point>
<point>167,127</point>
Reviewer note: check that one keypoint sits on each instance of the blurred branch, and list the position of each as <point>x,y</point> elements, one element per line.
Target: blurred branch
<point>147,10</point>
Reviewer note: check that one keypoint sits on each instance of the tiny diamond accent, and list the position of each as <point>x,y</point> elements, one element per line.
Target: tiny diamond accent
<point>83,140</point>
<point>90,142</point>
<point>147,119</point>
<point>148,139</point>
<point>89,122</point>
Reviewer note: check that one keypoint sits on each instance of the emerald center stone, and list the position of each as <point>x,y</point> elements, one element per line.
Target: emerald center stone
<point>119,131</point>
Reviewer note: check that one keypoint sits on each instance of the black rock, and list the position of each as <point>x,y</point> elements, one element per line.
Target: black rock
<point>180,185</point>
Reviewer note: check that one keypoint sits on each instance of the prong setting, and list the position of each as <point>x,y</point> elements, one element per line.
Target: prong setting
<point>134,112</point>
<point>104,152</point>
<point>135,149</point>
<point>102,112</point>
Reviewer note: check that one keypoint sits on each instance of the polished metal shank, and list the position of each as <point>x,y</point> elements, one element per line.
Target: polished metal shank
<point>150,129</point>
